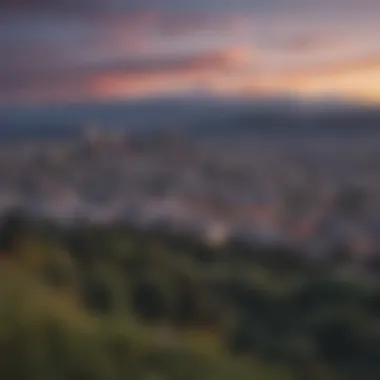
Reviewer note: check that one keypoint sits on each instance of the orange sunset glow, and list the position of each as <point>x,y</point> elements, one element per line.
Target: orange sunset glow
<point>65,54</point>
<point>353,84</point>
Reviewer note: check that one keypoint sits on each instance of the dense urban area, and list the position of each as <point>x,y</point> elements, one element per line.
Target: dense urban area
<point>317,194</point>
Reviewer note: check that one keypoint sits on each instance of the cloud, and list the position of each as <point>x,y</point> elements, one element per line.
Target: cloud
<point>307,43</point>
<point>177,24</point>
<point>43,51</point>
<point>49,80</point>
<point>337,68</point>
<point>77,48</point>
<point>50,5</point>
<point>354,79</point>
<point>341,6</point>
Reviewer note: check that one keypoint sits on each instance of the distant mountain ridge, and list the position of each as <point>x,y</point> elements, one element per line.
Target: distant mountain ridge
<point>200,114</point>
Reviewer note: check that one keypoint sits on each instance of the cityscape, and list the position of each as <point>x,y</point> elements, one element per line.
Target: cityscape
<point>318,194</point>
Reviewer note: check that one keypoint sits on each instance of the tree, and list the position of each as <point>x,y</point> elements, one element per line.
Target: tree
<point>14,225</point>
<point>97,295</point>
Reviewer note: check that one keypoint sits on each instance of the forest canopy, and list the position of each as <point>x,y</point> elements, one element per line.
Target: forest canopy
<point>112,302</point>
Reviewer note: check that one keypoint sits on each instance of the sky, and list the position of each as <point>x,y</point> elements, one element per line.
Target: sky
<point>59,51</point>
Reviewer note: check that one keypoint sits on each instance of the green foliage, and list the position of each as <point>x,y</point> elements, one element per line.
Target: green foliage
<point>114,303</point>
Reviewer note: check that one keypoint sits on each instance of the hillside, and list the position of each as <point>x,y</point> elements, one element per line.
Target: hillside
<point>111,302</point>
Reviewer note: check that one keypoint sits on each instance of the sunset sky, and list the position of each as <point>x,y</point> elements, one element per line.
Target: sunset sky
<point>73,50</point>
